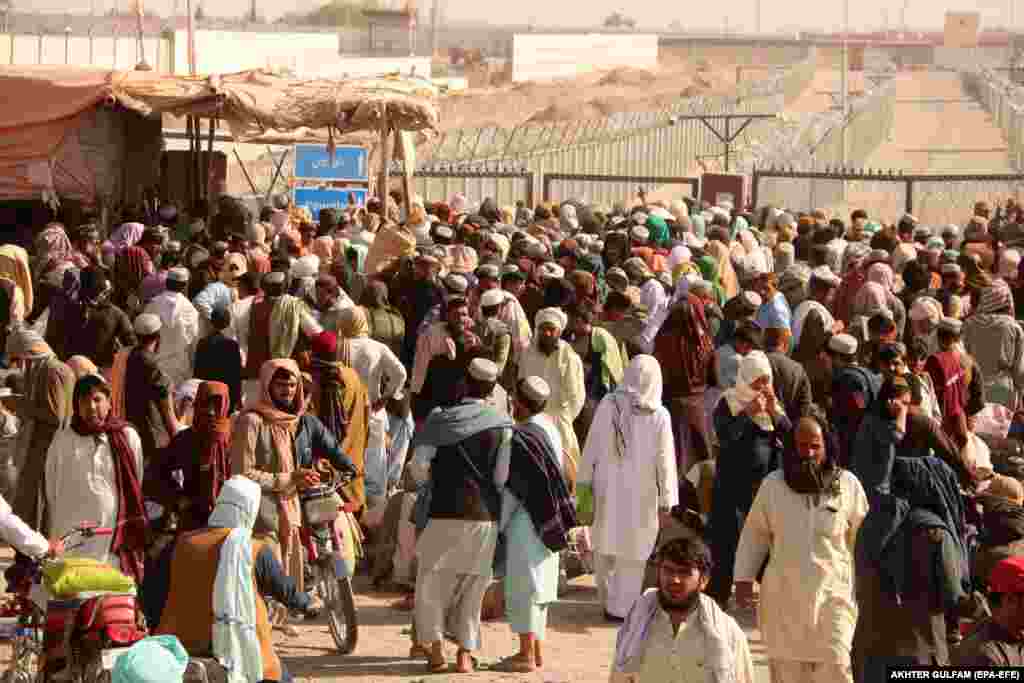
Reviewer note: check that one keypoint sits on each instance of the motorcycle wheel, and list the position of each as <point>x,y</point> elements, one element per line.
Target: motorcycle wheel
<point>340,606</point>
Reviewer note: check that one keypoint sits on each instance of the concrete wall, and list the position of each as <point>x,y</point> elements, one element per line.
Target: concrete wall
<point>307,55</point>
<point>733,51</point>
<point>113,52</point>
<point>544,57</point>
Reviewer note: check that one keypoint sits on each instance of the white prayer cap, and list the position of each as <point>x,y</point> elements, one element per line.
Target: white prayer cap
<point>536,389</point>
<point>306,266</point>
<point>147,324</point>
<point>274,277</point>
<point>178,275</point>
<point>456,284</point>
<point>844,344</point>
<point>551,271</point>
<point>551,316</point>
<point>492,297</point>
<point>701,286</point>
<point>444,232</point>
<point>488,270</point>
<point>639,217</point>
<point>693,242</point>
<point>825,274</point>
<point>752,298</point>
<point>950,325</point>
<point>484,370</point>
<point>950,269</point>
<point>640,233</point>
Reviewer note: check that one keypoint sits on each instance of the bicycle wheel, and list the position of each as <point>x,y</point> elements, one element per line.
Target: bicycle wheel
<point>340,605</point>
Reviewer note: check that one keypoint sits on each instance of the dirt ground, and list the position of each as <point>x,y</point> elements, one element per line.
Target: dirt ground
<point>589,96</point>
<point>578,648</point>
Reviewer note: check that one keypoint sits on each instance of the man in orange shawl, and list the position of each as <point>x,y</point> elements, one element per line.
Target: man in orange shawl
<point>273,443</point>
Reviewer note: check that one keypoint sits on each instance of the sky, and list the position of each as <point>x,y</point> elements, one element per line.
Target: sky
<point>776,15</point>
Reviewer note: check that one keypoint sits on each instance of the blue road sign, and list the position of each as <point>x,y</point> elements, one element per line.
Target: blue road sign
<point>313,162</point>
<point>316,198</point>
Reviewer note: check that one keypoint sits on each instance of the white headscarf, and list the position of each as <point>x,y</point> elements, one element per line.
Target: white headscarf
<point>801,313</point>
<point>753,367</point>
<point>234,595</point>
<point>640,392</point>
<point>554,316</point>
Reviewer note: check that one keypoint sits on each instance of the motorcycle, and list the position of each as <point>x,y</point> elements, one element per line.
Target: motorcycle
<point>328,574</point>
<point>76,639</point>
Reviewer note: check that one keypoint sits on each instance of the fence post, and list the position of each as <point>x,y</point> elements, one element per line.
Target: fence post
<point>910,197</point>
<point>755,181</point>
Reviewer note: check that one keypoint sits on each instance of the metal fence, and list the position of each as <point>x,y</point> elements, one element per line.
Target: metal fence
<point>505,182</point>
<point>1005,102</point>
<point>814,142</point>
<point>578,184</point>
<point>934,199</point>
<point>655,143</point>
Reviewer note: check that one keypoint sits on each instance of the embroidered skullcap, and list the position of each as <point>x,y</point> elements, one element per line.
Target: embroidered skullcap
<point>492,297</point>
<point>536,389</point>
<point>484,370</point>
<point>843,344</point>
<point>147,324</point>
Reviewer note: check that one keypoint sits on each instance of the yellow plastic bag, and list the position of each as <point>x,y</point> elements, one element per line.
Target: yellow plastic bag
<point>74,575</point>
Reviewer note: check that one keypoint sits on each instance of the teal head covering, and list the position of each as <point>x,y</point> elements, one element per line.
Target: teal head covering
<point>739,223</point>
<point>157,659</point>
<point>699,226</point>
<point>658,231</point>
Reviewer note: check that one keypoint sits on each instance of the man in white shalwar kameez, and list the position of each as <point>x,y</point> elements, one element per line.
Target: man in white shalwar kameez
<point>805,520</point>
<point>460,447</point>
<point>180,331</point>
<point>629,469</point>
<point>677,634</point>
<point>81,472</point>
<point>554,361</point>
<point>531,568</point>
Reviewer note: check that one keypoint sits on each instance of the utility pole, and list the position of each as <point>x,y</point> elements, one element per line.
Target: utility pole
<point>757,17</point>
<point>845,88</point>
<point>191,43</point>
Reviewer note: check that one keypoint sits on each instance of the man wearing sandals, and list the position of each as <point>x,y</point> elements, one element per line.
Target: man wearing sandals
<point>461,445</point>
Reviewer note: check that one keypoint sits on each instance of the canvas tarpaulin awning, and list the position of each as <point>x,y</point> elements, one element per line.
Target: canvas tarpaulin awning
<point>44,105</point>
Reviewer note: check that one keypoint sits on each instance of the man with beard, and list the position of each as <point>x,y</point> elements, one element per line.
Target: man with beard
<point>554,361</point>
<point>998,642</point>
<point>458,449</point>
<point>442,355</point>
<point>148,404</point>
<point>804,521</point>
<point>330,302</point>
<point>675,633</point>
<point>417,299</point>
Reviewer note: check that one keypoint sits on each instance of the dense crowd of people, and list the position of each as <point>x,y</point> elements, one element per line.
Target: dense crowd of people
<point>706,407</point>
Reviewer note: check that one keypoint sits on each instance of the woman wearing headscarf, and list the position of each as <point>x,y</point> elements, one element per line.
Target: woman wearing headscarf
<point>925,314</point>
<point>708,267</point>
<point>14,266</point>
<point>200,454</point>
<point>750,424</point>
<point>385,323</point>
<point>133,265</point>
<point>996,341</point>
<point>854,277</point>
<point>52,248</point>
<point>44,409</point>
<point>628,472</point>
<point>273,443</point>
<point>727,275</point>
<point>224,564</point>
